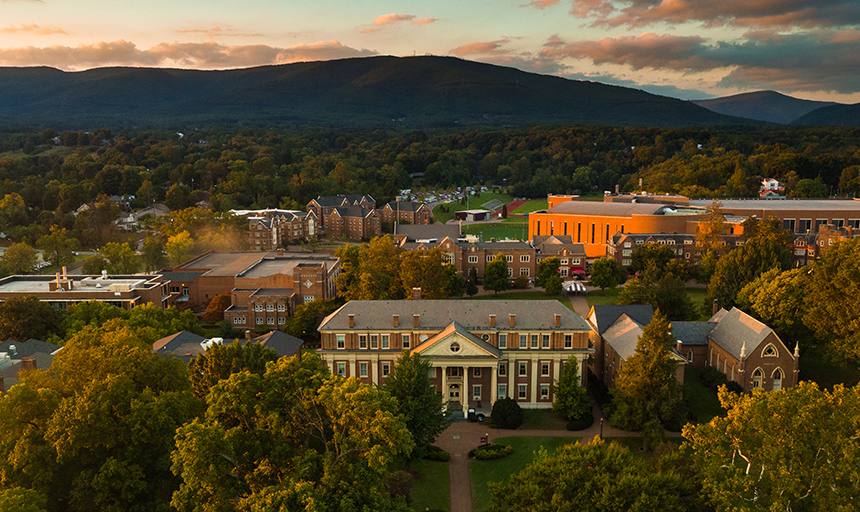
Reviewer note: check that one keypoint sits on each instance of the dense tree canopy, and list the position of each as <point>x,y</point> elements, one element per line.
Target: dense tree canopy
<point>607,273</point>
<point>743,265</point>
<point>496,275</point>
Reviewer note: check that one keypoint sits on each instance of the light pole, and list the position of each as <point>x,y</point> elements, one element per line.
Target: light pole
<point>601,428</point>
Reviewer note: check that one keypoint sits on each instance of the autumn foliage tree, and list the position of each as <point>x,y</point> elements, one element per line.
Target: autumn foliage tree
<point>215,310</point>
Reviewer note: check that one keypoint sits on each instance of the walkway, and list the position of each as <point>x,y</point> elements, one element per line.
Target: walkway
<point>459,438</point>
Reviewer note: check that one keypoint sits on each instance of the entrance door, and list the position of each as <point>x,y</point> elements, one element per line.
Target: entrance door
<point>454,392</point>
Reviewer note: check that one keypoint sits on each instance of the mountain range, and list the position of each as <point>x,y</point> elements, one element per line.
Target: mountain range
<point>392,92</point>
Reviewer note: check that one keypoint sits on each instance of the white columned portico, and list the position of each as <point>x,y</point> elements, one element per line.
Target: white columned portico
<point>534,383</point>
<point>465,391</point>
<point>446,394</point>
<point>493,383</point>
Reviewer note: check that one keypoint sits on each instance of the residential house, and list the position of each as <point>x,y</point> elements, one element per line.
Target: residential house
<point>479,351</point>
<point>18,356</point>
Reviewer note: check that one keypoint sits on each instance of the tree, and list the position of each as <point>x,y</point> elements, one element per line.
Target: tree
<point>178,197</point>
<point>425,270</point>
<point>780,300</point>
<point>218,362</point>
<point>652,257</point>
<point>179,247</point>
<point>668,294</point>
<point>607,273</point>
<point>504,211</point>
<point>771,228</point>
<point>215,310</point>
<point>153,254</point>
<point>162,322</point>
<point>647,396</point>
<point>58,247</point>
<point>291,437</point>
<point>597,477</point>
<point>92,313</point>
<point>742,265</point>
<point>496,274</point>
<point>114,257</point>
<point>833,310</point>
<point>553,286</point>
<point>26,317</point>
<point>472,282</point>
<point>507,413</point>
<point>570,397</point>
<point>457,284</point>
<point>19,258</point>
<point>94,432</point>
<point>13,211</point>
<point>795,449</point>
<point>809,188</point>
<point>547,268</point>
<point>307,317</point>
<point>417,401</point>
<point>373,272</point>
<point>712,227</point>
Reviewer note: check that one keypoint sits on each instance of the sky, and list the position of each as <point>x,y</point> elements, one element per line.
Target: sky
<point>688,49</point>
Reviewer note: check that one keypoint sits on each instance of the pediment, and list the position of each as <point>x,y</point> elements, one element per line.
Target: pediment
<point>455,341</point>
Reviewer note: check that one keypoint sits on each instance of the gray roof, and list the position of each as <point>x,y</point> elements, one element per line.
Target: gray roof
<point>552,239</point>
<point>692,333</point>
<point>272,292</point>
<point>438,314</point>
<point>280,342</point>
<point>618,209</point>
<point>185,277</point>
<point>173,342</point>
<point>28,348</point>
<point>10,374</point>
<point>602,317</point>
<point>405,206</point>
<point>623,336</point>
<point>736,329</point>
<point>353,211</point>
<point>425,231</point>
<point>501,245</point>
<point>329,200</point>
<point>842,205</point>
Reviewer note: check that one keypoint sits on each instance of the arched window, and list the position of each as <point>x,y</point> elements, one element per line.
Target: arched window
<point>777,379</point>
<point>732,377</point>
<point>769,351</point>
<point>757,379</point>
<point>690,356</point>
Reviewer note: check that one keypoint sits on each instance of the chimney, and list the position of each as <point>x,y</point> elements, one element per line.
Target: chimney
<point>351,321</point>
<point>492,320</point>
<point>247,335</point>
<point>65,276</point>
<point>678,346</point>
<point>416,293</point>
<point>415,319</point>
<point>557,320</point>
<point>715,308</point>
<point>28,363</point>
<point>396,319</point>
<point>513,320</point>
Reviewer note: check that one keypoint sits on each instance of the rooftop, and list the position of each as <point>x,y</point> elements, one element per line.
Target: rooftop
<point>846,205</point>
<point>80,284</point>
<point>620,209</point>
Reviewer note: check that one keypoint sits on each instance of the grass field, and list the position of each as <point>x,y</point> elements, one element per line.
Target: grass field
<point>530,206</point>
<point>602,298</point>
<point>474,203</point>
<point>543,419</point>
<point>703,402</point>
<point>484,471</point>
<point>432,487</point>
<point>500,231</point>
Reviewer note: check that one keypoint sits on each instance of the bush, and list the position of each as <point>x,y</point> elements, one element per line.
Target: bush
<point>521,283</point>
<point>491,452</point>
<point>507,414</point>
<point>582,423</point>
<point>436,453</point>
<point>734,387</point>
<point>711,377</point>
<point>400,484</point>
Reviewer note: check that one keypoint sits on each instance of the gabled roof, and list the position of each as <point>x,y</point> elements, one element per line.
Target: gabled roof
<point>326,201</point>
<point>175,341</point>
<point>404,206</point>
<point>425,231</point>
<point>468,344</point>
<point>736,329</point>
<point>602,317</point>
<point>538,240</point>
<point>692,333</point>
<point>623,335</point>
<point>28,348</point>
<point>281,342</point>
<point>352,211</point>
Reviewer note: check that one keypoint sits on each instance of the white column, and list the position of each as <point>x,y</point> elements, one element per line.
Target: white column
<point>465,390</point>
<point>377,369</point>
<point>446,396</point>
<point>352,372</point>
<point>494,385</point>
<point>556,368</point>
<point>534,380</point>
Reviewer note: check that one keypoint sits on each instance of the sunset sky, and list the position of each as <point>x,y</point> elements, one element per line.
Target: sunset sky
<point>680,48</point>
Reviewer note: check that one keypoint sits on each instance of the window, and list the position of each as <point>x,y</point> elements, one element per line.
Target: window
<point>523,341</point>
<point>259,320</point>
<point>308,298</point>
<point>374,341</point>
<point>640,241</point>
<point>534,341</point>
<point>524,258</point>
<point>574,261</point>
<point>804,225</point>
<point>544,369</point>
<point>626,263</point>
<point>799,252</point>
<point>568,341</point>
<point>503,391</point>
<point>522,392</point>
<point>270,320</point>
<point>509,258</point>
<point>235,319</point>
<point>503,369</point>
<point>473,259</point>
<point>510,271</point>
<point>626,244</point>
<point>174,289</point>
<point>563,272</point>
<point>476,372</point>
<point>545,341</point>
<point>788,224</point>
<point>854,223</point>
<point>386,368</point>
<point>258,307</point>
<point>544,391</point>
<point>661,242</point>
<point>688,242</point>
<point>270,307</point>
<point>476,393</point>
<point>769,351</point>
<point>524,271</point>
<point>564,261</point>
<point>757,379</point>
<point>626,252</point>
<point>341,342</point>
<point>503,340</point>
<point>282,307</point>
<point>432,372</point>
<point>523,369</point>
<point>489,259</point>
<point>385,343</point>
<point>404,339</point>
<point>341,369</point>
<point>670,242</point>
<point>362,369</point>
<point>777,380</point>
<point>362,341</point>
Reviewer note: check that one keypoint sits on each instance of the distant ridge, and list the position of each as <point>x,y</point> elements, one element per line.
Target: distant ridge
<point>396,92</point>
<point>836,115</point>
<point>769,106</point>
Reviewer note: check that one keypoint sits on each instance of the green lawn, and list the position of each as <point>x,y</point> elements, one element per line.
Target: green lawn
<point>530,206</point>
<point>697,297</point>
<point>484,471</point>
<point>543,419</point>
<point>432,487</point>
<point>816,366</point>
<point>602,298</point>
<point>498,231</point>
<point>703,402</point>
<point>474,203</point>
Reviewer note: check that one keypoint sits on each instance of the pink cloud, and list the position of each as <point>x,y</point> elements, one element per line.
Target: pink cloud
<point>478,48</point>
<point>423,21</point>
<point>388,19</point>
<point>540,4</point>
<point>32,29</point>
<point>216,31</point>
<point>209,55</point>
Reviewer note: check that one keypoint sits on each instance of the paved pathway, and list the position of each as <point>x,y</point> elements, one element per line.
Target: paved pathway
<point>459,438</point>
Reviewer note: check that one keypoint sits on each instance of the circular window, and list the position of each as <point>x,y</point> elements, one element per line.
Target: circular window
<point>455,347</point>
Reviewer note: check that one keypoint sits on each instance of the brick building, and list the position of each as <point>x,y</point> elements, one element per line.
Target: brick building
<point>572,258</point>
<point>324,205</point>
<point>405,211</point>
<point>272,229</point>
<point>521,256</point>
<point>353,223</point>
<point>479,350</point>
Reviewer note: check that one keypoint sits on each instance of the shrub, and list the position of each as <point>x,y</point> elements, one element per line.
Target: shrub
<point>436,453</point>
<point>400,484</point>
<point>734,387</point>
<point>521,283</point>
<point>582,423</point>
<point>491,452</point>
<point>711,377</point>
<point>507,414</point>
